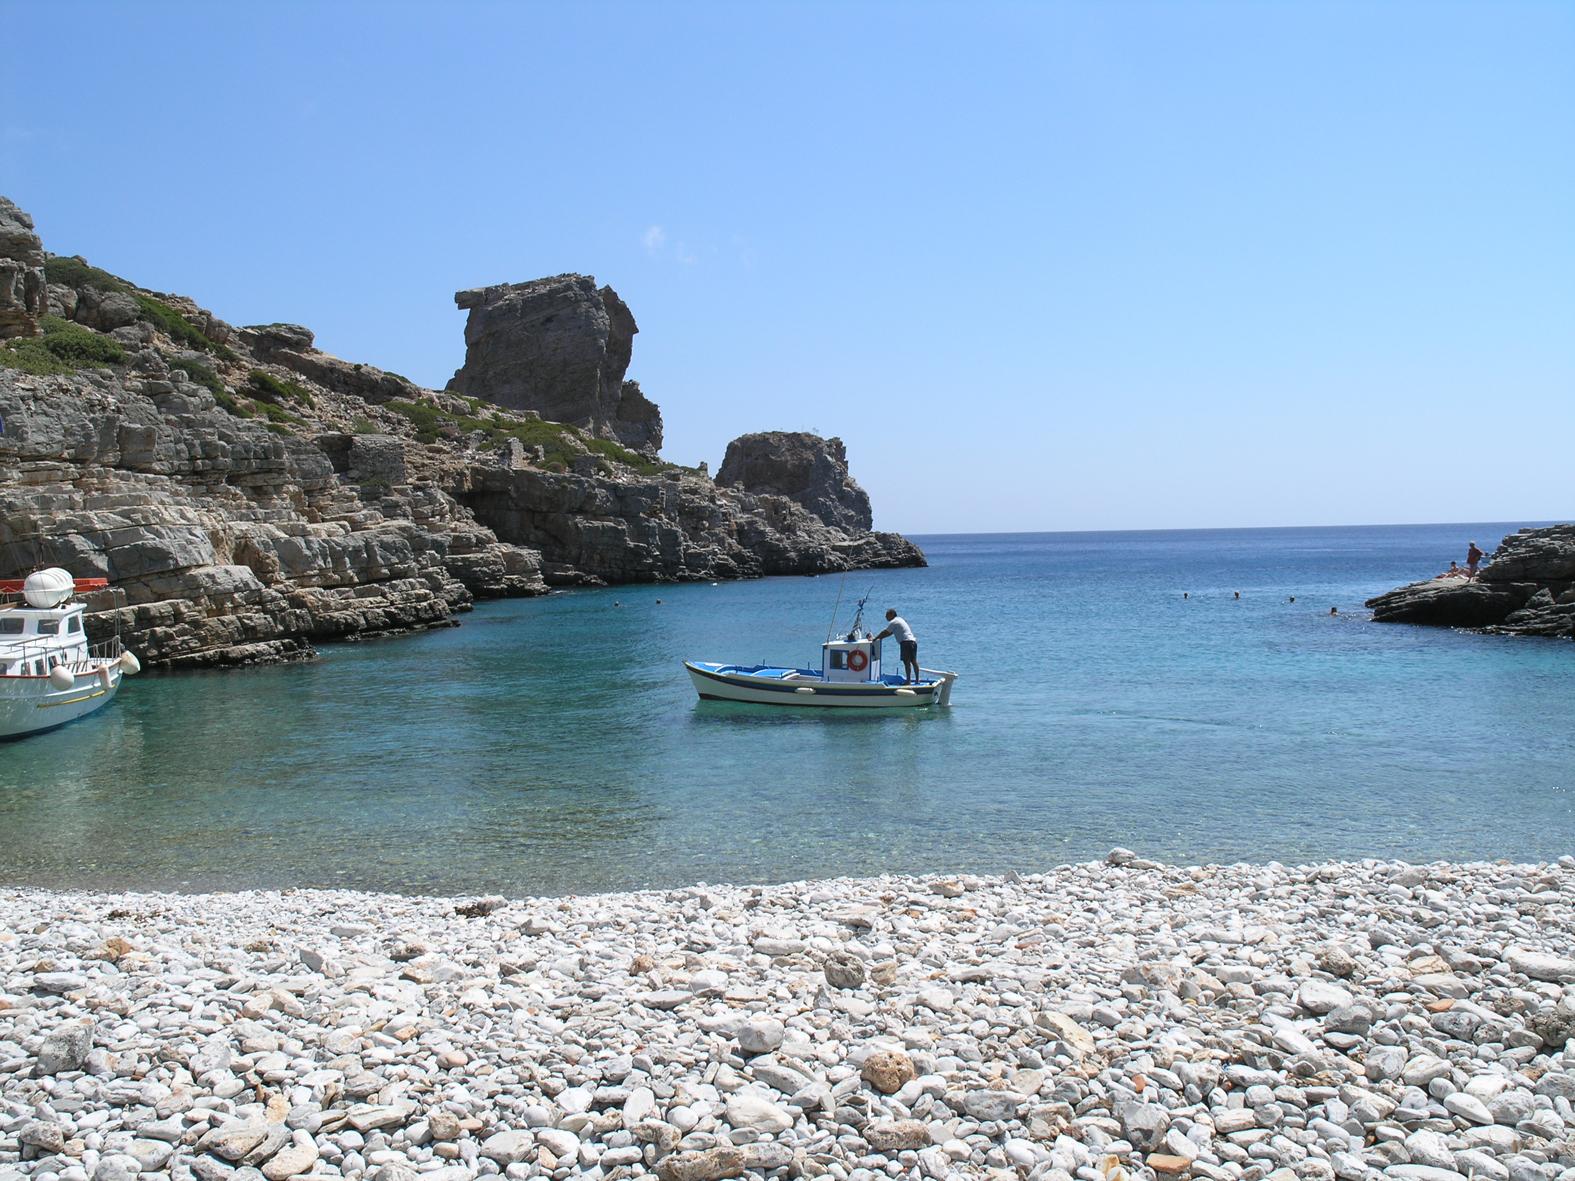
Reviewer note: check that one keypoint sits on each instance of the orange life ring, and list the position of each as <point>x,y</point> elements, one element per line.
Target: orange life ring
<point>857,661</point>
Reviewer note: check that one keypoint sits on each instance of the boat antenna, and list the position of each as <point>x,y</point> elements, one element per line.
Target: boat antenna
<point>832,630</point>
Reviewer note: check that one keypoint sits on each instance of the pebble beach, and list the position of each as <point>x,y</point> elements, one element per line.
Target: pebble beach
<point>1104,1021</point>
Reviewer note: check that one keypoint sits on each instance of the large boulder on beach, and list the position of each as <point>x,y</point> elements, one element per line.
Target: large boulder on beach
<point>802,467</point>
<point>558,346</point>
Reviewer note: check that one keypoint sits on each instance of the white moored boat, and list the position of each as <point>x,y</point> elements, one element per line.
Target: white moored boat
<point>849,677</point>
<point>49,674</point>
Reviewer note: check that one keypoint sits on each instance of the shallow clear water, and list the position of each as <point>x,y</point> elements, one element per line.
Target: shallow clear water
<point>555,745</point>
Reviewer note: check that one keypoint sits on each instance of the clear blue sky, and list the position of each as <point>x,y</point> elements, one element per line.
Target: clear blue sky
<point>1042,266</point>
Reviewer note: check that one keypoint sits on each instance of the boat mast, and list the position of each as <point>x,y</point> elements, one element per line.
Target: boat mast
<point>832,630</point>
<point>858,616</point>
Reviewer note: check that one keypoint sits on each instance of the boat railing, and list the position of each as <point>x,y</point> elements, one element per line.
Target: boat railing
<point>32,652</point>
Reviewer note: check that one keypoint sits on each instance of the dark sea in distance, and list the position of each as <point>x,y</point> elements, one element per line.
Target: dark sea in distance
<point>555,745</point>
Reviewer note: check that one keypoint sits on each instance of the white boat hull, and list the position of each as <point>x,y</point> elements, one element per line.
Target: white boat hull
<point>31,704</point>
<point>808,692</point>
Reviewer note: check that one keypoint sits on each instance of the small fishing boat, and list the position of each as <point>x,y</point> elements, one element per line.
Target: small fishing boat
<point>49,673</point>
<point>849,677</point>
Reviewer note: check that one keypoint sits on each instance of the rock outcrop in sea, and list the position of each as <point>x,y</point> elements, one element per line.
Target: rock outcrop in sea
<point>251,495</point>
<point>1527,588</point>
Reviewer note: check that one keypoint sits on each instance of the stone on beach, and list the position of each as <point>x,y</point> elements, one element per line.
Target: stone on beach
<point>760,1035</point>
<point>757,1113</point>
<point>293,1161</point>
<point>66,1048</point>
<point>887,1070</point>
<point>710,1164</point>
<point>844,970</point>
<point>1541,965</point>
<point>1096,1023</point>
<point>1322,996</point>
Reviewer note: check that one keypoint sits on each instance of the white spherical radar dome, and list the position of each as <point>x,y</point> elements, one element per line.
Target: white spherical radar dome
<point>48,588</point>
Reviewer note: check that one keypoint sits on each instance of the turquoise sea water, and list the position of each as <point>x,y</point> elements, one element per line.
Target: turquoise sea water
<point>555,745</point>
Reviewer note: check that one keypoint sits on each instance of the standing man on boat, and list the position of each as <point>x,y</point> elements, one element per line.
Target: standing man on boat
<point>907,644</point>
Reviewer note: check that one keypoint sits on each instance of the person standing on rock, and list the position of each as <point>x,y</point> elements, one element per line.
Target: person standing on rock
<point>907,644</point>
<point>1473,556</point>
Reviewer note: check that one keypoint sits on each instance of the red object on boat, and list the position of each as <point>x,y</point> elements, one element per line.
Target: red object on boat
<point>13,586</point>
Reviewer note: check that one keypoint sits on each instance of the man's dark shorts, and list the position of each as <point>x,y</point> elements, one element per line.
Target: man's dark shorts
<point>909,650</point>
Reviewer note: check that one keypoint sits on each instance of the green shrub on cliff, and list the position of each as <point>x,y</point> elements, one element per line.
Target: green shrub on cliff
<point>556,439</point>
<point>233,404</point>
<point>426,418</point>
<point>200,374</point>
<point>64,348</point>
<point>280,421</point>
<point>268,388</point>
<point>79,347</point>
<point>75,272</point>
<point>31,355</point>
<point>277,414</point>
<point>179,329</point>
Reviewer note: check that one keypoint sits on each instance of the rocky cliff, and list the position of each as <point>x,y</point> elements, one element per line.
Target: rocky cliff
<point>1527,588</point>
<point>804,468</point>
<point>23,298</point>
<point>559,347</point>
<point>250,495</point>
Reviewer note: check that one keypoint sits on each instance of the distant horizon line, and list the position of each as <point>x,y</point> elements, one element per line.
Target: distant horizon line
<point>1234,528</point>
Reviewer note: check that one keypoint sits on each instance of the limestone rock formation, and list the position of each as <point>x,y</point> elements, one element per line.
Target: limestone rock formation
<point>24,292</point>
<point>593,528</point>
<point>802,467</point>
<point>560,347</point>
<point>291,346</point>
<point>250,495</point>
<point>231,543</point>
<point>1526,588</point>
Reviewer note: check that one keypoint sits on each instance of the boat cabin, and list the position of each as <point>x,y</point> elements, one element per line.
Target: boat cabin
<point>848,661</point>
<point>41,624</point>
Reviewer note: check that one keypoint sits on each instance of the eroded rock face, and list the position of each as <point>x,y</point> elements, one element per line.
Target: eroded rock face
<point>231,544</point>
<point>291,346</point>
<point>592,528</point>
<point>24,292</point>
<point>560,347</point>
<point>250,495</point>
<point>802,467</point>
<point>1526,588</point>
